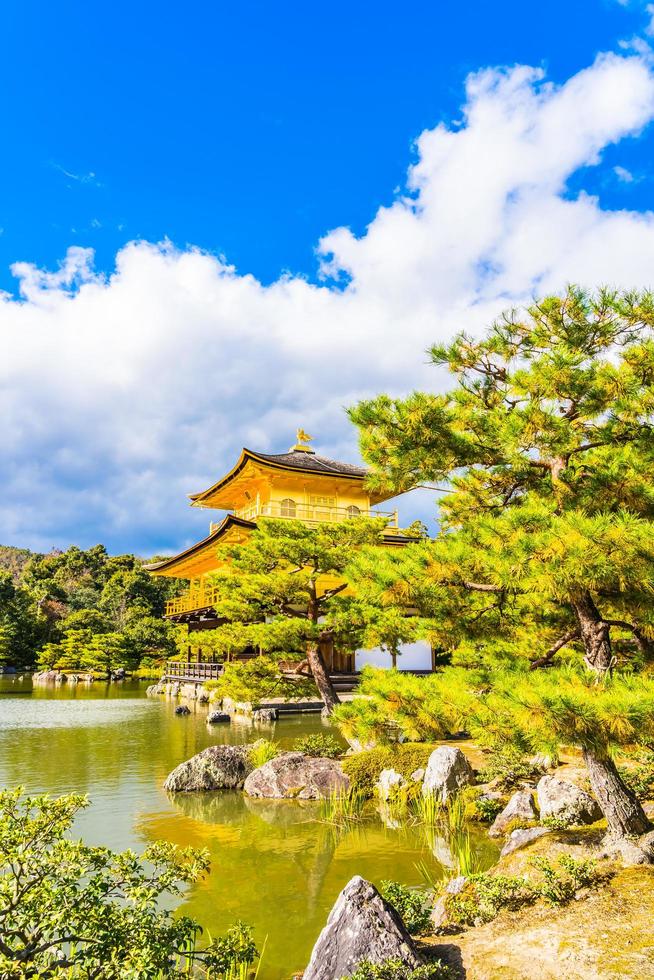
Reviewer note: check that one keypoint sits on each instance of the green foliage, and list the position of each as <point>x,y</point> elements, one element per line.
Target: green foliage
<point>71,910</point>
<point>508,767</point>
<point>320,746</point>
<point>60,602</point>
<point>485,895</point>
<point>364,767</point>
<point>640,778</point>
<point>545,550</point>
<point>413,906</point>
<point>559,885</point>
<point>233,953</point>
<point>262,751</point>
<point>531,711</point>
<point>396,970</point>
<point>485,809</point>
<point>258,680</point>
<point>20,630</point>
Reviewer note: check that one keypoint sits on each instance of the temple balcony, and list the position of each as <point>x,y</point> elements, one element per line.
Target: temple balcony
<point>201,596</point>
<point>311,514</point>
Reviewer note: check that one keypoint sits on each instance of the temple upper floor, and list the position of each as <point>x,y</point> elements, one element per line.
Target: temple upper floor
<point>297,485</point>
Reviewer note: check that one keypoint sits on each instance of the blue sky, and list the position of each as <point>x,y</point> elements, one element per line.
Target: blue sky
<point>252,128</point>
<point>223,221</point>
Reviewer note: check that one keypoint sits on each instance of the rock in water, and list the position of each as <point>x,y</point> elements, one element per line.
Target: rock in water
<point>296,776</point>
<point>182,709</point>
<point>520,807</point>
<point>565,801</point>
<point>218,718</point>
<point>361,926</point>
<point>448,771</point>
<point>265,714</point>
<point>218,767</point>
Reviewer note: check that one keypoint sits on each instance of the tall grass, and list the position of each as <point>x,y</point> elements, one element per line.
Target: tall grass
<point>449,820</point>
<point>342,807</point>
<point>428,809</point>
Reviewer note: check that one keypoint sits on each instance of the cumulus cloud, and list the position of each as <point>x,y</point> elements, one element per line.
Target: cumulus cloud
<point>122,393</point>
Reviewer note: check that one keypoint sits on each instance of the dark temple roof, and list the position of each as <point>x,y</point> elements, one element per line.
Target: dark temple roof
<point>298,460</point>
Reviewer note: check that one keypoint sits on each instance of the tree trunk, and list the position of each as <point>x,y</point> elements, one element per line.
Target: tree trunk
<point>625,816</point>
<point>595,634</point>
<point>321,676</point>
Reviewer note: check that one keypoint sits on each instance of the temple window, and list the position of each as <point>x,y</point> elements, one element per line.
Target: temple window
<point>288,507</point>
<point>353,511</point>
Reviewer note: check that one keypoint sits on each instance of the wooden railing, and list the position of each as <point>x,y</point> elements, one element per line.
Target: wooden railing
<point>187,669</point>
<point>311,514</point>
<point>198,597</point>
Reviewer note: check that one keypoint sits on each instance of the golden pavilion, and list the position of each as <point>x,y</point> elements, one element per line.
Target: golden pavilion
<point>296,485</point>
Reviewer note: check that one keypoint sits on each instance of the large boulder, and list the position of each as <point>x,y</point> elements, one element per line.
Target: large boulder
<point>447,772</point>
<point>218,767</point>
<point>565,801</point>
<point>520,807</point>
<point>294,775</point>
<point>361,926</point>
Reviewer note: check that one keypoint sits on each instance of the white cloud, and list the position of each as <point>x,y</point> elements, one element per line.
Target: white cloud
<point>624,176</point>
<point>121,394</point>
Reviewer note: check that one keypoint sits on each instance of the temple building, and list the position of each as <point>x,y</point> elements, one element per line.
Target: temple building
<point>296,485</point>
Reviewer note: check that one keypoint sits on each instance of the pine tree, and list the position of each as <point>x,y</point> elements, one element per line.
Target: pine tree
<point>546,449</point>
<point>280,585</point>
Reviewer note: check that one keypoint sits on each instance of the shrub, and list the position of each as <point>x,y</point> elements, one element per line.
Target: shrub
<point>324,746</point>
<point>508,768</point>
<point>262,751</point>
<point>559,885</point>
<point>485,895</point>
<point>640,779</point>
<point>484,809</point>
<point>72,910</point>
<point>396,970</point>
<point>364,768</point>
<point>412,906</point>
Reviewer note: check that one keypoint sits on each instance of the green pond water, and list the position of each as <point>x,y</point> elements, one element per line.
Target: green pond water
<point>273,864</point>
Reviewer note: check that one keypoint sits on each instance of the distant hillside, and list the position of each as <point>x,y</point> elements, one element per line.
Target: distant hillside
<point>14,559</point>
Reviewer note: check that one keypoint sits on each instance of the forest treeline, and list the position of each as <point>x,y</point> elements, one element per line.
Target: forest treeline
<point>80,609</point>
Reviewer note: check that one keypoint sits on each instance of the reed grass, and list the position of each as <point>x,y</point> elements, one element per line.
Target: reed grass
<point>428,809</point>
<point>342,807</point>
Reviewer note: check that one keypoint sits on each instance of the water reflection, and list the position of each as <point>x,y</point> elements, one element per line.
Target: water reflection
<point>274,863</point>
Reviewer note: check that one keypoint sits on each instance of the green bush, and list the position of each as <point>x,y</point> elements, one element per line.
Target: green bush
<point>485,895</point>
<point>262,751</point>
<point>508,768</point>
<point>76,911</point>
<point>396,970</point>
<point>483,809</point>
<point>559,885</point>
<point>319,746</point>
<point>364,768</point>
<point>640,779</point>
<point>412,906</point>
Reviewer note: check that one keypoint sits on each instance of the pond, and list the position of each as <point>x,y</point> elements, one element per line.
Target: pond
<point>273,864</point>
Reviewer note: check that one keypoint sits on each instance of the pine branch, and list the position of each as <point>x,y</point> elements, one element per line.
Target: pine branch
<point>546,659</point>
